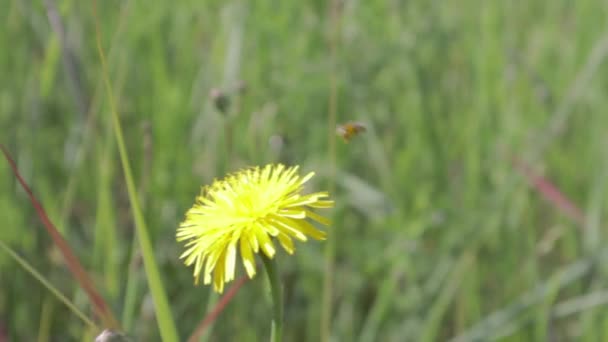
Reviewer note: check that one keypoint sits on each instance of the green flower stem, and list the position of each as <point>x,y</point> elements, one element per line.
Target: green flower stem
<point>277,299</point>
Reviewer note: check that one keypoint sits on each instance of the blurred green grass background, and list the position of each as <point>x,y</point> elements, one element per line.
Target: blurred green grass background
<point>439,234</point>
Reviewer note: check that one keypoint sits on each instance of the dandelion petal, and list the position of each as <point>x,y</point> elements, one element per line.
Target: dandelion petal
<point>248,210</point>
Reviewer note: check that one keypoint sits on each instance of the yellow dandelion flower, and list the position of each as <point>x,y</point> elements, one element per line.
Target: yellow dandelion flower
<point>246,210</point>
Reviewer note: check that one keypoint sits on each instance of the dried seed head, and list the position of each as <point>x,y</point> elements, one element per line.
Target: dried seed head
<point>220,100</point>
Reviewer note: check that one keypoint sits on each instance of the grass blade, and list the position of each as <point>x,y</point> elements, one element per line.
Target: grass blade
<point>31,270</point>
<point>164,317</point>
<point>551,192</point>
<point>99,305</point>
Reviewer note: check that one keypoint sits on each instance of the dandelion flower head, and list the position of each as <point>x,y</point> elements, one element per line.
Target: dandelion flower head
<point>249,211</point>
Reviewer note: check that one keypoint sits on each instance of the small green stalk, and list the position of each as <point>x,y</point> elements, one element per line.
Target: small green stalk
<point>276,334</point>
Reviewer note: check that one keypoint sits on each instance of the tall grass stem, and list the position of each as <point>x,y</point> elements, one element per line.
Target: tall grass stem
<point>164,317</point>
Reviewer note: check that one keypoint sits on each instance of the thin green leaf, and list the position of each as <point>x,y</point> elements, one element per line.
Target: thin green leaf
<point>164,316</point>
<point>31,270</point>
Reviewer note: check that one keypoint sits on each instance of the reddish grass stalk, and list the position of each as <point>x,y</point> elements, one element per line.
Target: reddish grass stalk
<point>219,307</point>
<point>3,333</point>
<point>99,305</point>
<point>550,192</point>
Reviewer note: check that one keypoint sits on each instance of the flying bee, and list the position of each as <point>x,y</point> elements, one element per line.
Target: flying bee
<point>350,129</point>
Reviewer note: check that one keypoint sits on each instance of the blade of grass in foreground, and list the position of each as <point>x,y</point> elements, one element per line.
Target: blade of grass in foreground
<point>99,305</point>
<point>164,317</point>
<point>29,268</point>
